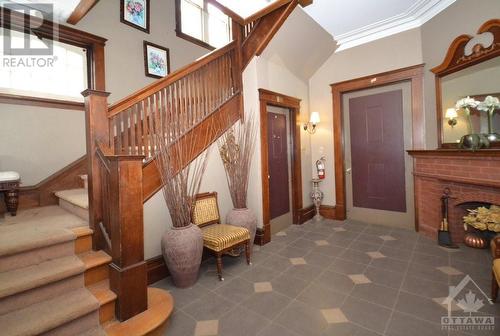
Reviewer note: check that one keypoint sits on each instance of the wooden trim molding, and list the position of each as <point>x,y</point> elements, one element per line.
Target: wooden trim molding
<point>306,214</point>
<point>263,235</point>
<point>157,269</point>
<point>40,102</point>
<point>414,74</point>
<point>457,60</point>
<point>293,104</point>
<point>83,7</point>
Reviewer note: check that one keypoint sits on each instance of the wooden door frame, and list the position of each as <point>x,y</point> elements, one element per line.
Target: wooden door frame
<point>414,75</point>
<point>266,98</point>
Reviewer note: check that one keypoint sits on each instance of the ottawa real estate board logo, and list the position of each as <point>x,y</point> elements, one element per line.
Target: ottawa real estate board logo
<point>467,305</point>
<point>27,35</point>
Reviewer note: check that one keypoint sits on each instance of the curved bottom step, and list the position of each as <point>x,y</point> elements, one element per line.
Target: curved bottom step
<point>151,322</point>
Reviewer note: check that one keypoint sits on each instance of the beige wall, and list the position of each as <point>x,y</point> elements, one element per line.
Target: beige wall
<point>37,142</point>
<point>393,52</point>
<point>437,35</point>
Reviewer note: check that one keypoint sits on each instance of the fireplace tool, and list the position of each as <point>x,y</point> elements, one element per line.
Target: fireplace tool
<point>444,236</point>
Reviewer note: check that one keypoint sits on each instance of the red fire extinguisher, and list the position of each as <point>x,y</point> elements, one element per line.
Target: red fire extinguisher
<point>320,167</point>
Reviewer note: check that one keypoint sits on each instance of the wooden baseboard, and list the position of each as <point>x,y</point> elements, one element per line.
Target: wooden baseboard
<point>306,214</point>
<point>157,269</point>
<point>263,235</point>
<point>332,212</point>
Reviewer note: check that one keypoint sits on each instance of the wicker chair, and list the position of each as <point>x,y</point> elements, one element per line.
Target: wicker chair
<point>495,281</point>
<point>218,238</point>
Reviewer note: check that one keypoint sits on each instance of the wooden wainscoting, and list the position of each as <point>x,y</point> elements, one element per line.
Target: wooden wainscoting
<point>42,194</point>
<point>306,214</point>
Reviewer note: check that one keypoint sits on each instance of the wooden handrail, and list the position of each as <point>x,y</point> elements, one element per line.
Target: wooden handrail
<point>147,91</point>
<point>244,21</point>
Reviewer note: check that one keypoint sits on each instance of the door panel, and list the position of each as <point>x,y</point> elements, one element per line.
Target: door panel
<point>377,151</point>
<point>279,199</point>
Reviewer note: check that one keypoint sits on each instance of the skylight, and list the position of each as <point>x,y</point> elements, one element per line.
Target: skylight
<point>245,8</point>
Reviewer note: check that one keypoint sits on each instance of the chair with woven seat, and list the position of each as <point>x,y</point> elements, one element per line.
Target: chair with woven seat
<point>219,238</point>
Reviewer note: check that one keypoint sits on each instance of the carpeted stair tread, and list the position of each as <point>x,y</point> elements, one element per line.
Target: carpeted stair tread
<point>22,279</point>
<point>14,239</point>
<point>78,197</point>
<point>53,216</point>
<point>50,314</point>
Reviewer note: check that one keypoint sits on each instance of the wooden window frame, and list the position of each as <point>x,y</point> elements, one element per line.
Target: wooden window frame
<point>92,43</point>
<point>182,35</point>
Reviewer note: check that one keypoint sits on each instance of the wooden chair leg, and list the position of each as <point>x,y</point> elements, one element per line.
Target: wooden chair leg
<point>219,266</point>
<point>494,288</point>
<point>247,252</point>
<point>12,201</point>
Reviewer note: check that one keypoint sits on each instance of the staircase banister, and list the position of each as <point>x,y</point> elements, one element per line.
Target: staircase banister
<point>243,21</point>
<point>147,91</point>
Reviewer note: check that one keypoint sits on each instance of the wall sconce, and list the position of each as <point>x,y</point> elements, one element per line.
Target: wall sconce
<point>310,127</point>
<point>451,115</point>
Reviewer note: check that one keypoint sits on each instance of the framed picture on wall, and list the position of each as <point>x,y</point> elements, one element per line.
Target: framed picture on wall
<point>156,60</point>
<point>135,13</point>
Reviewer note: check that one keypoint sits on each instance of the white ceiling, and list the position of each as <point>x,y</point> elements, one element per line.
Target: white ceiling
<point>245,8</point>
<point>354,22</point>
<point>62,8</point>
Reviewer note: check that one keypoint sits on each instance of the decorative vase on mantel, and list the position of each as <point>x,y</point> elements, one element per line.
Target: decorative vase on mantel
<point>490,105</point>
<point>182,250</point>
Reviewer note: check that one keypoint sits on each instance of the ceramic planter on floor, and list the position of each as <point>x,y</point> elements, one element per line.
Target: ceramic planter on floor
<point>182,250</point>
<point>243,217</point>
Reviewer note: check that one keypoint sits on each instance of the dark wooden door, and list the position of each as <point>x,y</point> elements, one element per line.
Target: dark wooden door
<point>377,151</point>
<point>279,197</point>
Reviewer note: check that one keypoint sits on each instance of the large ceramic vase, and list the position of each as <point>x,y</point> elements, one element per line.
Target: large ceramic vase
<point>245,218</point>
<point>182,250</point>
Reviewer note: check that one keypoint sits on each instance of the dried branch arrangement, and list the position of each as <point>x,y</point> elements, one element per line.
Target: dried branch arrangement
<point>180,185</point>
<point>236,148</point>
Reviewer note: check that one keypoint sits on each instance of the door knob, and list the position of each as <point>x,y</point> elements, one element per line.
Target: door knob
<point>348,171</point>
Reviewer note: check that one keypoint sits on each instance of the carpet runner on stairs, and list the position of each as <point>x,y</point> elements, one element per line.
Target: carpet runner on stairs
<point>42,287</point>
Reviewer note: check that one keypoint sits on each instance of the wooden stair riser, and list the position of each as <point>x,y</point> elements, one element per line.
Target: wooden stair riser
<point>96,274</point>
<point>107,312</point>
<point>83,243</point>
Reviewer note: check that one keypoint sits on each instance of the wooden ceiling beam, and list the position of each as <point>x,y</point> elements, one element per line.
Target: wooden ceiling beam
<point>83,7</point>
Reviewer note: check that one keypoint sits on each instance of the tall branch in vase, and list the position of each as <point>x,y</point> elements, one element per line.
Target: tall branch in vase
<point>236,149</point>
<point>182,245</point>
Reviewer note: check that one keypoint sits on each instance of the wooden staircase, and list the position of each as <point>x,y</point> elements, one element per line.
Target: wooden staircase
<point>201,101</point>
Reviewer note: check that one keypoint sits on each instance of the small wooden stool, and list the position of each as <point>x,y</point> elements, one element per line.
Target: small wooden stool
<point>9,184</point>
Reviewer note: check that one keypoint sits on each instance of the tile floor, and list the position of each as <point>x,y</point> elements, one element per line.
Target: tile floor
<point>335,278</point>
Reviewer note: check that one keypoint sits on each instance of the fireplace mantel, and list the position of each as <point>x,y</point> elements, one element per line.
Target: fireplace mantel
<point>470,176</point>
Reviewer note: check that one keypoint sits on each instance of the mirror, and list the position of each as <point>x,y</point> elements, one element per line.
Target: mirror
<point>478,82</point>
<point>470,73</point>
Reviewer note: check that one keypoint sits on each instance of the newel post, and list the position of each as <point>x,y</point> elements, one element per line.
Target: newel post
<point>128,270</point>
<point>97,130</point>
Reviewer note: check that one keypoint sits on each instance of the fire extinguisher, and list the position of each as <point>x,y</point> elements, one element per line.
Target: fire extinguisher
<point>320,167</point>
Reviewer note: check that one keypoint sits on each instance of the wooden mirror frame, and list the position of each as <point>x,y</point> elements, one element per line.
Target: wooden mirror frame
<point>456,60</point>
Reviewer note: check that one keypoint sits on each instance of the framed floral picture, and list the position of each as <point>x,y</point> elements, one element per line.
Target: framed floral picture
<point>135,13</point>
<point>156,60</point>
